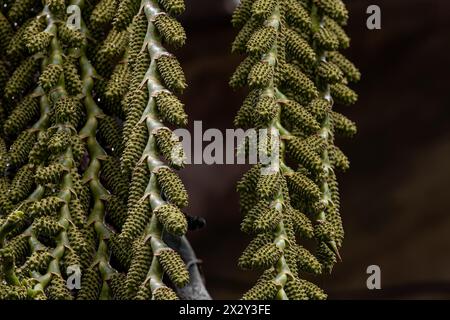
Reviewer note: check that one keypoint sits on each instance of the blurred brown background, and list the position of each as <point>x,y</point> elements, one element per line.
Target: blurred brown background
<point>395,198</point>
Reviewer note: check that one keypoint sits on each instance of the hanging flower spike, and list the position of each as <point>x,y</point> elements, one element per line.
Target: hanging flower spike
<point>292,84</point>
<point>156,192</point>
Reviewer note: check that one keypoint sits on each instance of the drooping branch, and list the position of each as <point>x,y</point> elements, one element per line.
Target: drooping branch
<point>146,140</point>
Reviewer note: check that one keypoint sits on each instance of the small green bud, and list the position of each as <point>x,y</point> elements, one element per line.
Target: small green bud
<point>172,219</point>
<point>173,266</point>
<point>171,72</point>
<point>172,187</point>
<point>343,94</point>
<point>261,40</point>
<point>170,29</point>
<point>164,293</point>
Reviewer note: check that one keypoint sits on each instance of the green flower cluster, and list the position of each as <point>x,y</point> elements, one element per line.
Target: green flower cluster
<point>295,74</point>
<point>83,121</point>
<point>89,184</point>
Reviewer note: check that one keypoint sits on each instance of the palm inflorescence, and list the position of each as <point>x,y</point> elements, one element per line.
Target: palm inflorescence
<point>295,75</point>
<point>89,191</point>
<point>87,152</point>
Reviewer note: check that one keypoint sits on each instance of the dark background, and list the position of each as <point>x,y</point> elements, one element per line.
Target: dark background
<point>395,197</point>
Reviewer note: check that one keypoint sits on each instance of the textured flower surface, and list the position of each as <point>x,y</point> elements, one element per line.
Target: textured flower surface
<point>89,155</point>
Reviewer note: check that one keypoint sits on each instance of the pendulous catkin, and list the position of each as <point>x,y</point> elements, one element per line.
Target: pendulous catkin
<point>89,154</point>
<point>295,73</point>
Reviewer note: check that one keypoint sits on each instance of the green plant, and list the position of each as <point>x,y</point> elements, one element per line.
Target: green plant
<point>155,74</point>
<point>89,156</point>
<point>295,74</point>
<point>67,133</point>
<point>42,233</point>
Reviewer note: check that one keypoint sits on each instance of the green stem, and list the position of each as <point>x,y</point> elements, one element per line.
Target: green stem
<point>281,237</point>
<point>154,230</point>
<point>325,133</point>
<point>92,173</point>
<point>62,242</point>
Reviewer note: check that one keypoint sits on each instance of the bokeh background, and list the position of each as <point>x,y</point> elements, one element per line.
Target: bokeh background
<point>396,195</point>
